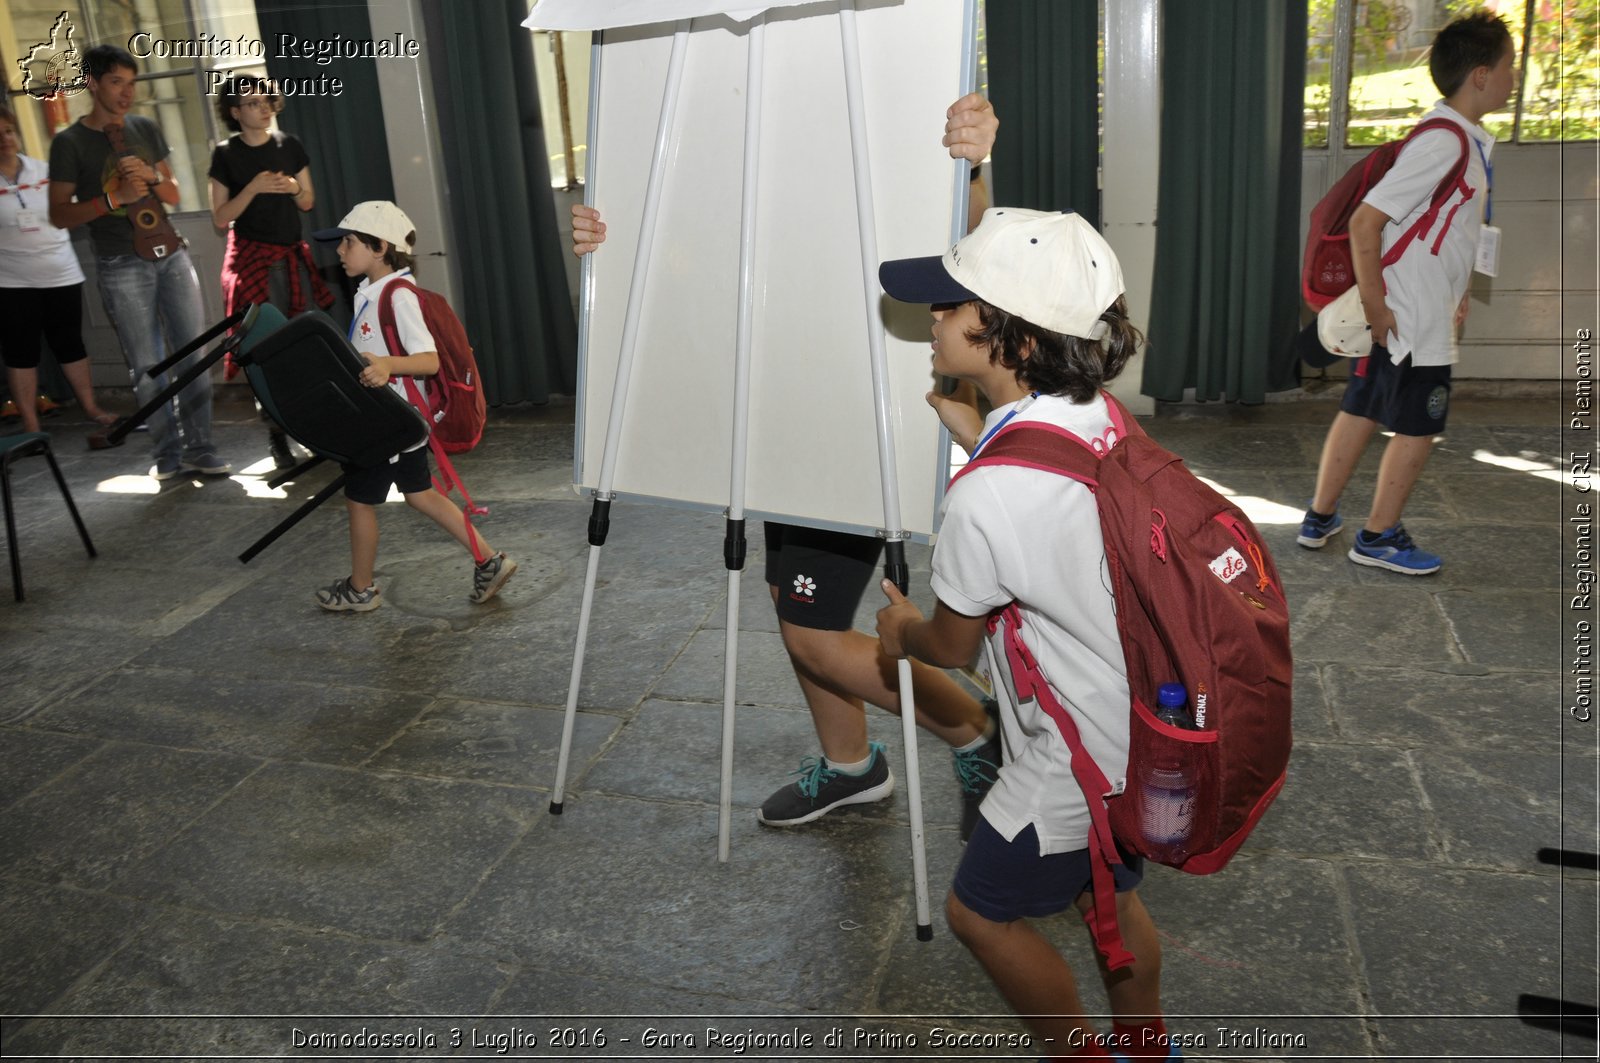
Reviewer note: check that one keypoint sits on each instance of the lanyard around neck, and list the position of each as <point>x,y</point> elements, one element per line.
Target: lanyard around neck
<point>1488,174</point>
<point>17,187</point>
<point>366,298</point>
<point>990,434</point>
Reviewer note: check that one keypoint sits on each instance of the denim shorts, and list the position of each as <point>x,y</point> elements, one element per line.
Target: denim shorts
<point>1004,881</point>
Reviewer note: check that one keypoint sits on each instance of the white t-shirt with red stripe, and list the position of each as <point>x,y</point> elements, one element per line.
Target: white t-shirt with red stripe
<point>1424,289</point>
<point>367,336</point>
<point>1016,534</point>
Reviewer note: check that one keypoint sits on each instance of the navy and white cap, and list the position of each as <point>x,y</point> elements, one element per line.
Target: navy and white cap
<point>1051,269</point>
<point>375,217</point>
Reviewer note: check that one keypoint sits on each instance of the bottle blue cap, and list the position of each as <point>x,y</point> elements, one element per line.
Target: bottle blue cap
<point>1172,694</point>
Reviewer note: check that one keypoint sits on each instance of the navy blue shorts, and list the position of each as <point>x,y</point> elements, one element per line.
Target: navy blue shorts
<point>820,575</point>
<point>1004,881</point>
<point>370,486</point>
<point>1409,400</point>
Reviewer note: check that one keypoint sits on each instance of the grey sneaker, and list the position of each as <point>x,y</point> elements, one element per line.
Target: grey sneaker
<point>821,789</point>
<point>207,464</point>
<point>977,770</point>
<point>340,597</point>
<point>162,470</point>
<point>489,577</point>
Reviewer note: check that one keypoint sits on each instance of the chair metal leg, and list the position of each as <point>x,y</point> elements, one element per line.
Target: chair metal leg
<point>66,495</point>
<point>11,526</point>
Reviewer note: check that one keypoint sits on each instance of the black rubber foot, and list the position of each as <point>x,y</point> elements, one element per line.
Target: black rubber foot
<point>555,808</point>
<point>924,932</point>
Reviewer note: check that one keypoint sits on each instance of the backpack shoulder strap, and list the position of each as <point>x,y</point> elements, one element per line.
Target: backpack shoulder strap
<point>386,322</point>
<point>1456,172</point>
<point>1035,445</point>
<point>1030,682</point>
<point>1453,179</point>
<point>1038,446</point>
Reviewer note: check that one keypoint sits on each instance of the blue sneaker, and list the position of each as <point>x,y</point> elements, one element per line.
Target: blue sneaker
<point>1394,550</point>
<point>1315,533</point>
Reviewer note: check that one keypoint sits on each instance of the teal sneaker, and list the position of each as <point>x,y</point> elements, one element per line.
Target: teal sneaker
<point>977,770</point>
<point>1393,549</point>
<point>822,789</point>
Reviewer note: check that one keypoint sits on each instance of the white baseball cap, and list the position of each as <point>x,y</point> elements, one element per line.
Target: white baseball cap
<point>1342,327</point>
<point>1051,269</point>
<point>375,217</point>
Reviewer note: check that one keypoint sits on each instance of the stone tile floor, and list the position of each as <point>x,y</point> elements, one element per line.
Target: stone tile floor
<point>226,816</point>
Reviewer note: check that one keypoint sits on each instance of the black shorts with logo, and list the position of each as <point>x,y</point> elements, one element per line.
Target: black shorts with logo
<point>1409,400</point>
<point>371,486</point>
<point>820,575</point>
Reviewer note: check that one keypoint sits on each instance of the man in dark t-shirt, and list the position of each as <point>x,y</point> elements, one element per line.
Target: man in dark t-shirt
<point>154,303</point>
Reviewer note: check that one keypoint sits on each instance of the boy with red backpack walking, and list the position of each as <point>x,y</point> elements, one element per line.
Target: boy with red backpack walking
<point>375,242</point>
<point>1029,308</point>
<point>1415,304</point>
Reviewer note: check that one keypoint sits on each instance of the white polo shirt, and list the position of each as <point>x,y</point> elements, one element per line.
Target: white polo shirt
<point>1016,534</point>
<point>367,337</point>
<point>33,253</point>
<point>1424,289</point>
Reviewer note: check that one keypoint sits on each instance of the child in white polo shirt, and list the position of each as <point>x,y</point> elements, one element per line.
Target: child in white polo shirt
<point>375,242</point>
<point>1415,305</point>
<point>1029,308</point>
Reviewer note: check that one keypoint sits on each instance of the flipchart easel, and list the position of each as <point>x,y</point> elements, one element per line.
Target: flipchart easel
<point>595,15</point>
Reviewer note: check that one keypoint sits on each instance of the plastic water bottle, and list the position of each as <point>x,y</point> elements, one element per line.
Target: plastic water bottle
<point>1167,792</point>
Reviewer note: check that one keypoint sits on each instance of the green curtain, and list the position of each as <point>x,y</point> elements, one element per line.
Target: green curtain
<point>516,304</point>
<point>1045,86</point>
<point>1226,288</point>
<point>343,134</point>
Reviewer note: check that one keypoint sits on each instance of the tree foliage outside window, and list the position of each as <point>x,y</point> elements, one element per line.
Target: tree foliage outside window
<point>1561,90</point>
<point>1390,88</point>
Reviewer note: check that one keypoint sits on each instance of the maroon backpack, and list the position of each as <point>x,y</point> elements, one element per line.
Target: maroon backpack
<point>1198,602</point>
<point>454,406</point>
<point>456,410</point>
<point>1328,270</point>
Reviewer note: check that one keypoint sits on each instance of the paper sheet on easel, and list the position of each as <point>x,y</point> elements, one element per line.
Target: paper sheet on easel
<point>812,453</point>
<point>609,14</point>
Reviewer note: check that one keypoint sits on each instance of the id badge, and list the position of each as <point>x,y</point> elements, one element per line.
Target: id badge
<point>1488,262</point>
<point>28,221</point>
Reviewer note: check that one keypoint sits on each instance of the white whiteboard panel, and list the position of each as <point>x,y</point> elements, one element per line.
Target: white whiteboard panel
<point>812,455</point>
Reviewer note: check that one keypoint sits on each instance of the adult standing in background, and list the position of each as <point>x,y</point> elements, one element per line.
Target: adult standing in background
<point>260,185</point>
<point>153,303</point>
<point>41,284</point>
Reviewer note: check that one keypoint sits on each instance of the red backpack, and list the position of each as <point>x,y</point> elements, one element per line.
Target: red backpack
<point>456,410</point>
<point>1198,602</point>
<point>1328,270</point>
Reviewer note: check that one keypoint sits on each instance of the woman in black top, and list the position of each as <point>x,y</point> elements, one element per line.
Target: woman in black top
<point>260,185</point>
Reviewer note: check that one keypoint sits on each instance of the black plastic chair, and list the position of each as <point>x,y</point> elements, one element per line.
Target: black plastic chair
<point>308,378</point>
<point>24,445</point>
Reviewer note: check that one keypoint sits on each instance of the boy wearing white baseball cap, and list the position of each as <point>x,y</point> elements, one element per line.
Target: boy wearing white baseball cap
<point>1029,308</point>
<point>376,240</point>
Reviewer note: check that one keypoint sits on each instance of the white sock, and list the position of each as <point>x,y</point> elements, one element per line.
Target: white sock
<point>858,768</point>
<point>977,743</point>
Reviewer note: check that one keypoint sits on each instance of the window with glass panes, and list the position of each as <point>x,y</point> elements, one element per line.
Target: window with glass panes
<point>171,91</point>
<point>1367,68</point>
